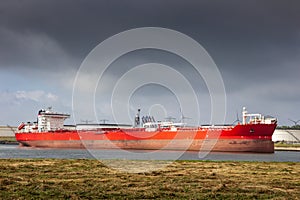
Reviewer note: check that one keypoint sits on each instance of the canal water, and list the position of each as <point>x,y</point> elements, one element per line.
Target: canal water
<point>14,151</point>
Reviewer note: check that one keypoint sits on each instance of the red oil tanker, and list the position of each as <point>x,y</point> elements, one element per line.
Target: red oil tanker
<point>254,134</point>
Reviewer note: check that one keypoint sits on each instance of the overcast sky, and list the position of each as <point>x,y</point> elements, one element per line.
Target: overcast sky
<point>254,44</point>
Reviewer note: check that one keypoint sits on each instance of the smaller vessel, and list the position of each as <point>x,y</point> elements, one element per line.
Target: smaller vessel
<point>254,134</point>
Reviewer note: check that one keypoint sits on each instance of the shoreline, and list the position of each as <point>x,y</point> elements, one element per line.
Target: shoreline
<point>4,142</point>
<point>287,148</point>
<point>10,140</point>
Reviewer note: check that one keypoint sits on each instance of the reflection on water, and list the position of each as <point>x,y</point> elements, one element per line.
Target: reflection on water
<point>14,151</point>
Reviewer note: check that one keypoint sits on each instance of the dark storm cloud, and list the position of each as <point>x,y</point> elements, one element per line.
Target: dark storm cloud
<point>225,28</point>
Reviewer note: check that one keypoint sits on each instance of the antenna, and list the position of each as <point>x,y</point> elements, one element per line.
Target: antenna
<point>237,118</point>
<point>11,128</point>
<point>295,122</point>
<point>183,117</point>
<point>86,121</point>
<point>170,118</point>
<point>104,121</point>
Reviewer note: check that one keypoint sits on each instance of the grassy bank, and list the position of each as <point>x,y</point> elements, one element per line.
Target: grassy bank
<point>89,179</point>
<point>8,140</point>
<point>287,145</point>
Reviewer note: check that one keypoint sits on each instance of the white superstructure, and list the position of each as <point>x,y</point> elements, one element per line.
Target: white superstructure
<point>257,118</point>
<point>51,121</point>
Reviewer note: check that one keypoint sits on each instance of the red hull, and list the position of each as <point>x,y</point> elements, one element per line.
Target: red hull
<point>240,138</point>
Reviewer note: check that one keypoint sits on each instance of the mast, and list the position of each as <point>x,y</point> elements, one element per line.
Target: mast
<point>137,119</point>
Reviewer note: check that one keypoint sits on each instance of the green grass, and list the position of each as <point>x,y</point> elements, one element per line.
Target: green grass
<point>8,138</point>
<point>90,179</point>
<point>286,145</point>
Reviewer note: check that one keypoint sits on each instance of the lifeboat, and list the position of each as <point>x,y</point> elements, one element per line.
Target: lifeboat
<point>21,126</point>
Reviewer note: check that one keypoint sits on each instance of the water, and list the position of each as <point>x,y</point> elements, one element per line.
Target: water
<point>14,151</point>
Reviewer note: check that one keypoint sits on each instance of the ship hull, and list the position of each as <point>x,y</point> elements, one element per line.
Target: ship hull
<point>240,138</point>
<point>259,146</point>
